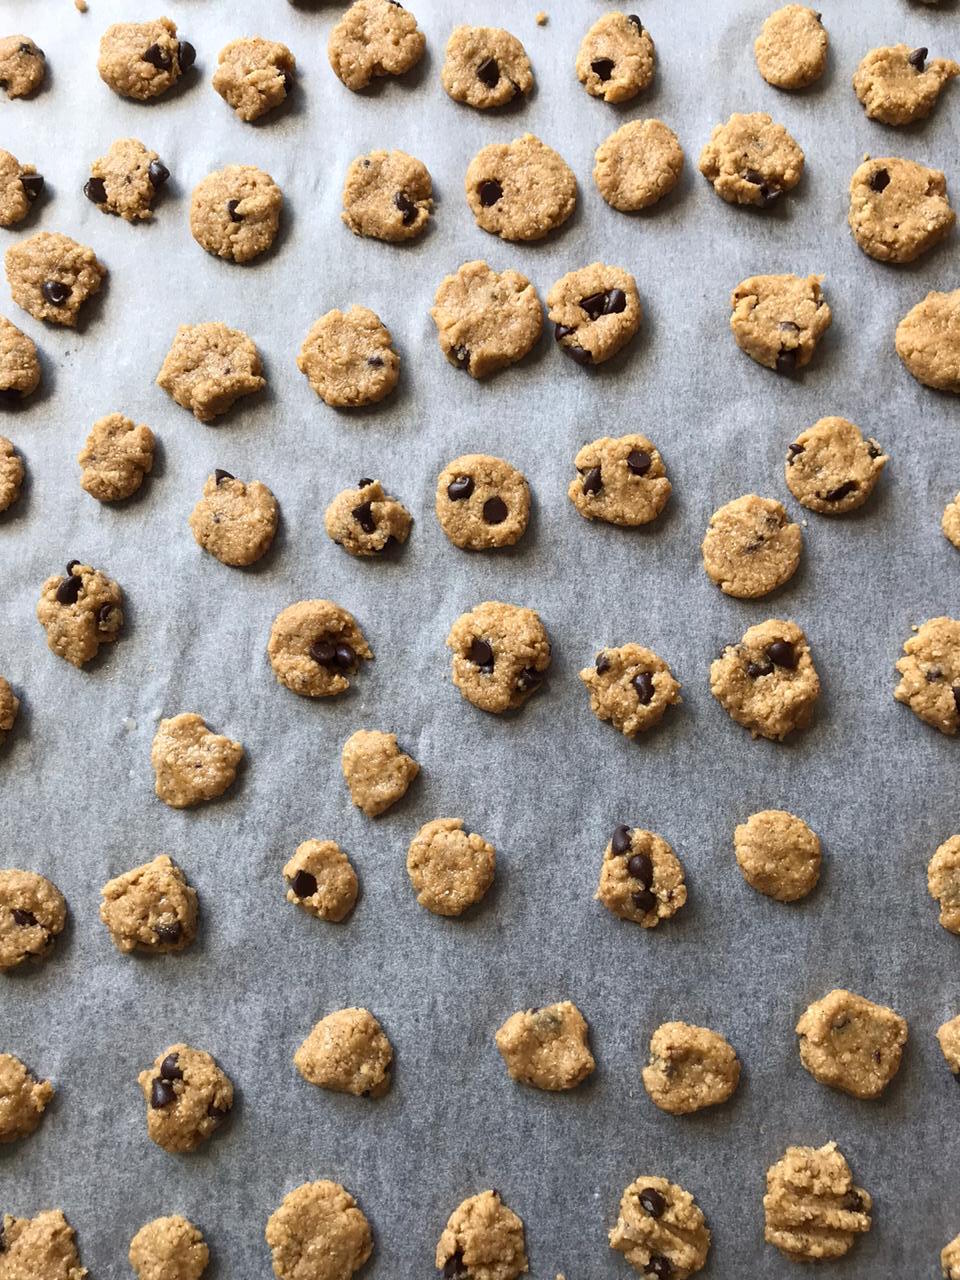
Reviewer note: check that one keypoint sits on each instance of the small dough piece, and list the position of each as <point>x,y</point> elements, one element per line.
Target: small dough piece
<point>641,878</point>
<point>32,914</point>
<point>831,468</point>
<point>949,523</point>
<point>51,276</point>
<point>321,880</point>
<point>898,209</point>
<point>364,521</point>
<point>187,1095</point>
<point>314,646</point>
<point>234,521</point>
<point>19,366</point>
<point>690,1068</point>
<point>930,674</point>
<point>22,66</point>
<point>813,1210</point>
<point>42,1246</point>
<point>208,367</point>
<point>482,502</point>
<point>483,1240</point>
<point>11,473</point>
<point>520,190</point>
<point>348,357</point>
<point>500,654</point>
<point>347,1052</point>
<point>778,854</point>
<point>254,75</point>
<point>928,341</point>
<point>897,85</point>
<point>9,706</point>
<point>80,612</point>
<point>950,1253</point>
<point>631,687</point>
<point>751,547</point>
<point>116,456</point>
<point>191,763</point>
<point>548,1047</point>
<point>387,195</point>
<point>235,212</point>
<point>377,772</point>
<point>620,480</point>
<point>450,869</point>
<point>751,160</point>
<point>850,1043</point>
<point>660,1230</point>
<point>485,67</point>
<point>638,165</point>
<point>169,1249</point>
<point>318,1233</point>
<point>152,908</point>
<point>943,882</point>
<point>125,180</point>
<point>596,311</point>
<point>767,682</point>
<point>948,1036</point>
<point>486,319</point>
<point>143,60</point>
<point>778,320</point>
<point>20,184</point>
<point>374,38</point>
<point>791,49</point>
<point>616,58</point>
<point>23,1099</point>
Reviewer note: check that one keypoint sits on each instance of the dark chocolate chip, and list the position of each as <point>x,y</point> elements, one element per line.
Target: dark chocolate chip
<point>644,899</point>
<point>303,884</point>
<point>578,354</point>
<point>753,177</point>
<point>853,1201</point>
<point>461,355</point>
<point>659,1267</point>
<point>495,510</point>
<point>607,303</point>
<point>562,330</point>
<point>288,83</point>
<point>873,448</point>
<point>489,192</point>
<point>933,674</point>
<point>918,58</point>
<point>363,514</point>
<point>453,1268</point>
<point>757,669</point>
<point>363,482</point>
<point>481,654</point>
<point>602,68</point>
<point>641,868</point>
<point>71,565</point>
<point>162,1093</point>
<point>232,211</point>
<point>788,326</point>
<point>344,657</point>
<point>956,698</point>
<point>216,1114</point>
<point>639,461</point>
<point>170,1067</point>
<point>842,491</point>
<point>158,173</point>
<point>220,475</point>
<point>592,481</point>
<point>32,49</point>
<point>157,57</point>
<point>879,179</point>
<point>324,652</point>
<point>632,17</point>
<point>69,590</point>
<point>169,932</point>
<point>793,451</point>
<point>104,615</point>
<point>3,1243</point>
<point>643,683</point>
<point>375,362</point>
<point>488,72</point>
<point>620,840</point>
<point>406,206</point>
<point>602,663</point>
<point>25,919</point>
<point>528,679</point>
<point>786,361</point>
<point>187,55</point>
<point>782,654</point>
<point>32,184</point>
<point>55,292</point>
<point>653,1202</point>
<point>460,487</point>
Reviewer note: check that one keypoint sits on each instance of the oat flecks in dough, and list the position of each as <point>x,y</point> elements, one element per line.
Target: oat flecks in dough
<point>44,1246</point>
<point>348,358</point>
<point>169,1249</point>
<point>208,367</point>
<point>9,706</point>
<point>486,319</point>
<point>22,66</point>
<point>450,869</point>
<point>483,1240</point>
<point>314,647</point>
<point>321,880</point>
<point>32,914</point>
<point>485,67</point>
<point>365,521</point>
<point>12,472</point>
<point>641,878</point>
<point>143,60</point>
<point>661,1230</point>
<point>778,320</point>
<point>616,58</point>
<point>192,764</point>
<point>948,1036</point>
<point>52,276</point>
<point>23,1099</point>
<point>928,341</point>
<point>348,1052</point>
<point>188,1097</point>
<point>482,502</point>
<point>19,366</point>
<point>234,521</point>
<point>377,772</point>
<point>254,75</point>
<point>767,682</point>
<point>950,521</point>
<point>791,49</point>
<point>374,38</point>
<point>318,1220</point>
<point>813,1210</point>
<point>778,854</point>
<point>387,195</point>
<point>638,165</point>
<point>116,455</point>
<point>831,468</point>
<point>20,184</point>
<point>520,190</point>
<point>898,209</point>
<point>500,655</point>
<point>751,160</point>
<point>896,84</point>
<point>690,1068</point>
<point>751,547</point>
<point>80,611</point>
<point>235,212</point>
<point>152,908</point>
<point>125,180</point>
<point>547,1047</point>
<point>943,882</point>
<point>631,687</point>
<point>596,311</point>
<point>850,1043</point>
<point>930,674</point>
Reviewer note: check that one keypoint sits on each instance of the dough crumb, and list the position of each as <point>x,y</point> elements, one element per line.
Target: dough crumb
<point>81,6</point>
<point>542,20</point>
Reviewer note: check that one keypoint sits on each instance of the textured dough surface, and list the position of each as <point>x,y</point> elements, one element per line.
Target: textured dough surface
<point>80,611</point>
<point>897,85</point>
<point>778,854</point>
<point>32,914</point>
<point>831,468</point>
<point>208,367</point>
<point>638,165</point>
<point>234,520</point>
<point>191,763</point>
<point>898,209</point>
<point>169,1249</point>
<point>254,75</point>
<point>374,38</point>
<point>850,1043</point>
<point>660,1229</point>
<point>23,1099</point>
<point>928,341</point>
<point>348,358</point>
<point>187,1096</point>
<point>751,547</point>
<point>314,647</point>
<point>631,687</point>
<point>813,1210</point>
<point>500,654</point>
<point>751,160</point>
<point>485,67</point>
<point>778,320</point>
<point>321,879</point>
<point>151,908</point>
<point>486,319</point>
<point>483,1240</point>
<point>40,1248</point>
<point>318,1233</point>
<point>52,276</point>
<point>767,682</point>
<point>641,878</point>
<point>520,190</point>
<point>482,502</point>
<point>689,1068</point>
<point>116,455</point>
<point>791,49</point>
<point>616,59</point>
<point>376,771</point>
<point>930,674</point>
<point>450,869</point>
<point>547,1047</point>
<point>347,1052</point>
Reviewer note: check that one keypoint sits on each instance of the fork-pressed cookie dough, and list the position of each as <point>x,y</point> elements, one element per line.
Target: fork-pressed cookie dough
<point>188,1097</point>
<point>450,869</point>
<point>318,1220</point>
<point>813,1210</point>
<point>347,1052</point>
<point>486,319</point>
<point>631,687</point>
<point>80,612</point>
<point>930,674</point>
<point>52,276</point>
<point>767,682</point>
<point>32,915</point>
<point>482,502</point>
<point>547,1047</point>
<point>485,67</point>
<point>365,521</point>
<point>152,908</point>
<point>520,190</point>
<point>483,1240</point>
<point>254,75</point>
<point>191,763</point>
<point>315,646</point>
<point>751,547</point>
<point>778,320</point>
<point>831,468</point>
<point>500,655</point>
<point>23,1099</point>
<point>374,38</point>
<point>616,59</point>
<point>116,456</point>
<point>235,521</point>
<point>208,367</point>
<point>660,1229</point>
<point>321,880</point>
<point>376,771</point>
<point>641,878</point>
<point>850,1043</point>
<point>778,854</point>
<point>125,180</point>
<point>689,1068</point>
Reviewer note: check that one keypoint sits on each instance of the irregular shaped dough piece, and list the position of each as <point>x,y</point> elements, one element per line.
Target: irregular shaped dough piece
<point>500,654</point>
<point>314,646</point>
<point>254,75</point>
<point>321,880</point>
<point>485,67</point>
<point>451,869</point>
<point>948,1034</point>
<point>41,1247</point>
<point>192,764</point>
<point>348,358</point>
<point>152,908</point>
<point>52,276</point>
<point>641,878</point>
<point>22,66</point>
<point>930,674</point>
<point>547,1047</point>
<point>690,1068</point>
<point>23,1099</point>
<point>143,60</point>
<point>943,882</point>
<point>831,468</point>
<point>234,521</point>
<point>318,1221</point>
<point>595,310</point>
<point>208,367</point>
<point>631,687</point>
<point>377,772</point>
<point>778,320</point>
<point>813,1210</point>
<point>348,1052</point>
<point>116,455</point>
<point>483,1240</point>
<point>928,341</point>
<point>638,165</point>
<point>897,85</point>
<point>169,1249</point>
<point>365,521</point>
<point>898,209</point>
<point>850,1043</point>
<point>751,160</point>
<point>19,366</point>
<point>80,612</point>
<point>12,472</point>
<point>32,914</point>
<point>767,682</point>
<point>520,190</point>
<point>482,502</point>
<point>125,181</point>
<point>188,1097</point>
<point>387,195</point>
<point>9,706</point>
<point>374,38</point>
<point>235,212</point>
<point>661,1230</point>
<point>486,319</point>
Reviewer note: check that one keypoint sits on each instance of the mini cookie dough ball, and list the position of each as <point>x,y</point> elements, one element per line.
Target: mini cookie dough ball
<point>631,687</point>
<point>51,276</point>
<point>950,1253</point>
<point>751,547</point>
<point>254,75</point>
<point>485,67</point>
<point>22,66</point>
<point>234,521</point>
<point>143,60</point>
<point>483,1240</point>
<point>347,1052</point>
<point>191,763</point>
<point>450,869</point>
<point>482,502</point>
<point>377,772</point>
<point>898,209</point>
<point>930,674</point>
<point>852,1044</point>
<point>9,706</point>
<point>19,366</point>
<point>314,646</point>
<point>520,190</point>
<point>641,878</point>
<point>660,1230</point>
<point>116,456</point>
<point>767,682</point>
<point>486,319</point>
<point>23,1099</point>
<point>169,1249</point>
<point>151,908</point>
<point>751,160</point>
<point>11,473</point>
<point>813,1210</point>
<point>548,1047</point>
<point>620,481</point>
<point>20,184</point>
<point>125,180</point>
<point>928,341</point>
<point>897,85</point>
<point>690,1068</point>
<point>374,38</point>
<point>235,212</point>
<point>387,195</point>
<point>831,468</point>
<point>32,914</point>
<point>943,882</point>
<point>500,653</point>
<point>638,165</point>
<point>187,1097</point>
<point>208,367</point>
<point>778,320</point>
<point>364,521</point>
<point>791,49</point>
<point>46,1241</point>
<point>778,854</point>
<point>321,880</point>
<point>616,58</point>
<point>949,523</point>
<point>348,358</point>
<point>80,612</point>
<point>321,1221</point>
<point>949,1037</point>
<point>596,311</point>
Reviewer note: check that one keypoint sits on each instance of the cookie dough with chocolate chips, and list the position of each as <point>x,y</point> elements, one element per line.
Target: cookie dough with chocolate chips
<point>20,184</point>
<point>19,366</point>
<point>451,869</point>
<point>596,311</point>
<point>80,612</point>
<point>482,502</point>
<point>152,908</point>
<point>850,1043</point>
<point>314,646</point>
<point>254,75</point>
<point>126,179</point>
<point>943,882</point>
<point>42,1246</point>
<point>620,480</point>
<point>387,195</point>
<point>930,674</point>
<point>896,84</point>
<point>22,66</point>
<point>638,165</point>
<point>949,522</point>
<point>374,38</point>
<point>689,1068</point>
<point>486,319</point>
<point>813,1210</point>
<point>520,190</point>
<point>791,49</point>
<point>616,58</point>
<point>169,1249</point>
<point>208,367</point>
<point>116,456</point>
<point>831,468</point>
<point>751,547</point>
<point>485,67</point>
<point>348,358</point>
<point>660,1230</point>
<point>377,772</point>
<point>347,1052</point>
<point>11,473</point>
<point>191,762</point>
<point>631,687</point>
<point>32,914</point>
<point>9,706</point>
<point>950,1253</point>
<point>235,212</point>
<point>51,276</point>
<point>318,1220</point>
<point>778,320</point>
<point>948,1037</point>
<point>778,854</point>
<point>898,209</point>
<point>641,878</point>
<point>23,1099</point>
<point>321,880</point>
<point>928,341</point>
<point>143,60</point>
<point>500,654</point>
<point>751,160</point>
<point>364,521</point>
<point>234,521</point>
<point>483,1240</point>
<point>548,1047</point>
<point>187,1095</point>
<point>767,682</point>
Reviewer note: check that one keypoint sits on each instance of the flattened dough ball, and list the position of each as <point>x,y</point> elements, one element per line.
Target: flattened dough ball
<point>486,319</point>
<point>616,58</point>
<point>778,320</point>
<point>374,38</point>
<point>348,358</point>
<point>791,49</point>
<point>314,647</point>
<point>347,1052</point>
<point>778,854</point>
<point>318,1220</point>
<point>638,165</point>
<point>813,1210</point>
<point>520,190</point>
<point>631,687</point>
<point>660,1230</point>
<point>850,1043</point>
<point>192,764</point>
<point>897,85</point>
<point>485,67</point>
<point>500,654</point>
<point>483,1240</point>
<point>641,878</point>
<point>928,341</point>
<point>450,869</point>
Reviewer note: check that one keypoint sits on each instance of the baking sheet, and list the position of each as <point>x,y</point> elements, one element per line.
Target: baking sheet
<point>547,786</point>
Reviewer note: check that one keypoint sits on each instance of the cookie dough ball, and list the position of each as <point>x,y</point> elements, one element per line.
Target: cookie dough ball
<point>948,1036</point>
<point>660,1230</point>
<point>548,1047</point>
<point>831,468</point>
<point>374,38</point>
<point>641,878</point>
<point>151,908</point>
<point>898,209</point>
<point>44,1245</point>
<point>950,1253</point>
<point>22,66</point>
<point>813,1210</point>
<point>234,521</point>
<point>520,190</point>
<point>616,58</point>
<point>23,1099</point>
<point>930,674</point>
<point>208,367</point>
<point>19,366</point>
<point>485,67</point>
<point>9,706</point>
<point>254,75</point>
<point>638,165</point>
<point>314,646</point>
<point>767,682</point>
<point>950,521</point>
<point>318,1220</point>
<point>751,160</point>
<point>20,184</point>
<point>450,869</point>
<point>778,320</point>
<point>143,60</point>
<point>80,612</point>
<point>690,1068</point>
<point>321,880</point>
<point>347,1052</point>
<point>387,195</point>
<point>620,480</point>
<point>596,311</point>
<point>377,772</point>
<point>897,85</point>
<point>235,212</point>
<point>187,1096</point>
<point>482,502</point>
<point>631,687</point>
<point>791,49</point>
<point>483,1240</point>
<point>51,276</point>
<point>11,473</point>
<point>348,358</point>
<point>928,341</point>
<point>778,854</point>
<point>486,319</point>
<point>751,547</point>
<point>943,882</point>
<point>500,654</point>
<point>116,456</point>
<point>125,180</point>
<point>192,764</point>
<point>852,1044</point>
<point>364,521</point>
<point>169,1249</point>
<point>32,914</point>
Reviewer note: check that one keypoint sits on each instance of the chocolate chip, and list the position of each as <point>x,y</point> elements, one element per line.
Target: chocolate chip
<point>933,673</point>
<point>71,565</point>
<point>643,683</point>
<point>186,54</point>
<point>32,184</point>
<point>489,192</point>
<point>289,82</point>
<point>660,1267</point>
<point>620,840</point>
<point>375,362</point>
<point>528,679</point>
<point>782,654</point>
<point>644,899</point>
<point>842,491</point>
<point>602,663</point>
<point>25,919</point>
<point>169,932</point>
<point>632,17</point>
<point>461,355</point>
<point>216,1114</point>
<point>578,354</point>
<point>69,590</point>
<point>3,1243</point>
<point>363,514</point>
<point>653,1202</point>
<point>157,57</point>
<point>793,451</point>
<point>324,652</point>
<point>757,669</point>
<point>602,68</point>
<point>406,206</point>
<point>641,868</point>
<point>481,654</point>
<point>363,482</point>
<point>918,58</point>
<point>786,361</point>
<point>303,884</point>
<point>607,303</point>
<point>55,292</point>
<point>162,1093</point>
<point>853,1201</point>
<point>788,326</point>
<point>489,72</point>
<point>158,173</point>
<point>873,448</point>
<point>879,179</point>
<point>460,487</point>
<point>453,1268</point>
<point>232,211</point>
<point>105,616</point>
<point>344,657</point>
<point>495,510</point>
<point>170,1067</point>
<point>639,461</point>
<point>592,481</point>
<point>562,330</point>
<point>956,698</point>
<point>32,49</point>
